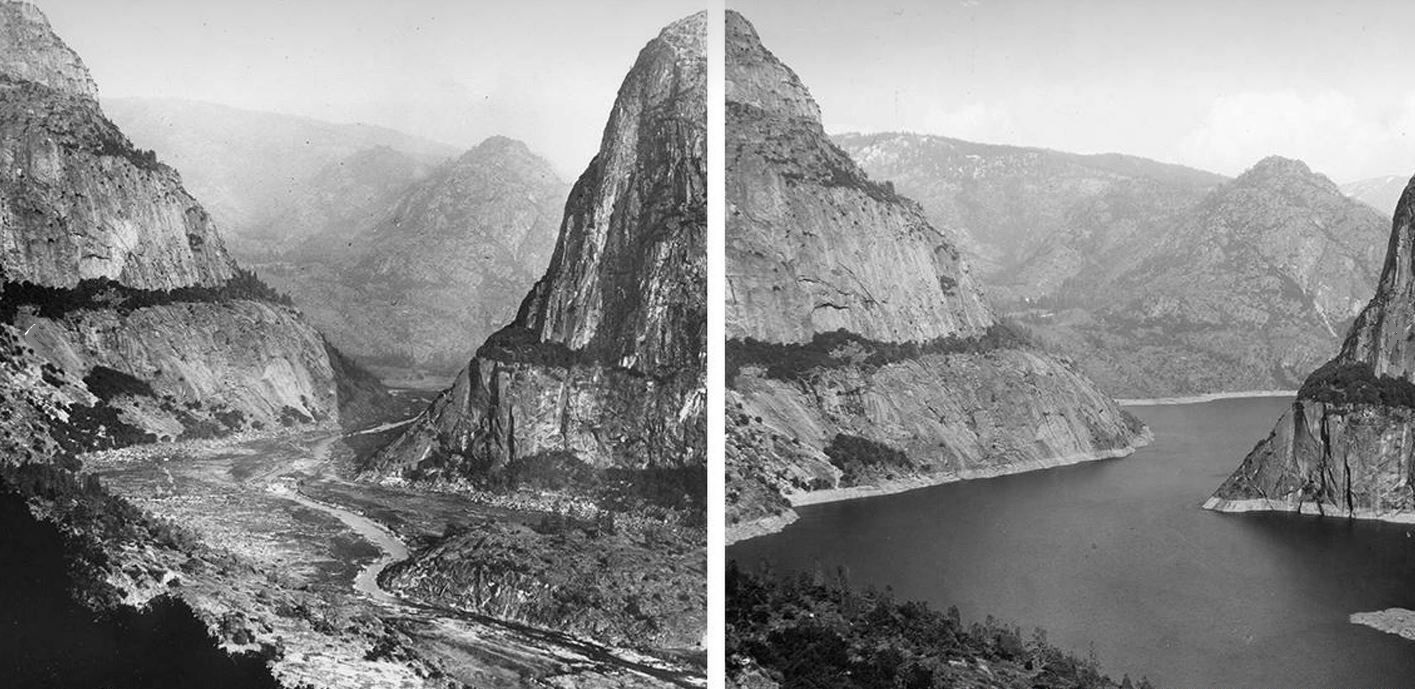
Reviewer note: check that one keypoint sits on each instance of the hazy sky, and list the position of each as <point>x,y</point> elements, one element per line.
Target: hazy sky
<point>542,71</point>
<point>1216,84</point>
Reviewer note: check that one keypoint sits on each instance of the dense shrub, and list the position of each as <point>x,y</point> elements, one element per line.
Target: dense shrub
<point>1338,382</point>
<point>104,293</point>
<point>97,428</point>
<point>843,348</point>
<point>859,458</point>
<point>553,470</point>
<point>107,383</point>
<point>813,631</point>
<point>515,344</point>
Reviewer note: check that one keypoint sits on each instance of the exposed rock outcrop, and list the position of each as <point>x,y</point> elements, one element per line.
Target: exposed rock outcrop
<point>863,356</point>
<point>81,202</point>
<point>1347,445</point>
<point>31,51</point>
<point>605,358</point>
<point>115,285</point>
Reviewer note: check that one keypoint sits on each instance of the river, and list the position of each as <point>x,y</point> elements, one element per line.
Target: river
<point>1118,557</point>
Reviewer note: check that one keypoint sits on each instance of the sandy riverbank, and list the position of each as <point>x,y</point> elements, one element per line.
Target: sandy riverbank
<point>1218,504</point>
<point>1200,399</point>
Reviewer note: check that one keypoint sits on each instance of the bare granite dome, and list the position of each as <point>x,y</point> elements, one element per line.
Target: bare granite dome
<point>30,51</point>
<point>605,360</point>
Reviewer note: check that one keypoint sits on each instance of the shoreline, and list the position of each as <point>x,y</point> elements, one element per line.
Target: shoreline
<point>762,526</point>
<point>770,525</point>
<point>1243,505</point>
<point>1201,399</point>
<point>1397,621</point>
<point>904,485</point>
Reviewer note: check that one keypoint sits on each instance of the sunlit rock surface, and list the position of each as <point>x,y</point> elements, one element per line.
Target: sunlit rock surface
<point>863,356</point>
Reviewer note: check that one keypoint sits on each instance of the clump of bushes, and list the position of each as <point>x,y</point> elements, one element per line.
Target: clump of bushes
<point>104,293</point>
<point>107,383</point>
<point>791,361</point>
<point>815,631</point>
<point>860,458</point>
<point>516,344</point>
<point>1345,382</point>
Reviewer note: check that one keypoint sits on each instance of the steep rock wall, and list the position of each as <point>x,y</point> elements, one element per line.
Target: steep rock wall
<point>865,358</point>
<point>605,359</point>
<point>1347,445</point>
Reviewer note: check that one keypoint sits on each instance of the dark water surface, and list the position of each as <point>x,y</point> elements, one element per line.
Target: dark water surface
<point>1119,557</point>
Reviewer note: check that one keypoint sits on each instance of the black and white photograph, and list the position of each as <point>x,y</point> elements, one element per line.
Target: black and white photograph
<point>353,344</point>
<point>726,344</point>
<point>1068,344</point>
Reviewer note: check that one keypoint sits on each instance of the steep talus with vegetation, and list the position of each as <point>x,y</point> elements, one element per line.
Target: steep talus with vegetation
<point>1347,445</point>
<point>863,356</point>
<point>593,393</point>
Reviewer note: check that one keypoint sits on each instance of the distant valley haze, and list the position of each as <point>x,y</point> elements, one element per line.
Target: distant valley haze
<point>452,72</point>
<point>1209,84</point>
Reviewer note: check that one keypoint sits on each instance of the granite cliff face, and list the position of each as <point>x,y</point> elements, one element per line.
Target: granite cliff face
<point>421,281</point>
<point>604,361</point>
<point>116,287</point>
<point>31,51</point>
<point>81,202</point>
<point>1345,447</point>
<point>862,354</point>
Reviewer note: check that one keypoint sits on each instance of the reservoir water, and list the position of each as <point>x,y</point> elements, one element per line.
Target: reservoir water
<point>1118,557</point>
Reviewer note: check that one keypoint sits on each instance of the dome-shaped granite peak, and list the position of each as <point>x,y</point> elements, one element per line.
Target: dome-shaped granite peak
<point>31,51</point>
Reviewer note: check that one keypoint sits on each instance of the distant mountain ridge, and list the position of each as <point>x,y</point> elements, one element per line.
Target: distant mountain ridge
<point>417,279</point>
<point>405,252</point>
<point>1381,193</point>
<point>1005,202</point>
<point>255,169</point>
<point>1159,280</point>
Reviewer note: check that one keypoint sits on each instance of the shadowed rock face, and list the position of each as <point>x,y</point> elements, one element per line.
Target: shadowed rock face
<point>1347,446</point>
<point>605,358</point>
<point>168,347</point>
<point>861,350</point>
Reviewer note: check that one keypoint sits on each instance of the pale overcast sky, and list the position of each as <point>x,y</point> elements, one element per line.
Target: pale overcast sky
<point>543,71</point>
<point>1216,84</point>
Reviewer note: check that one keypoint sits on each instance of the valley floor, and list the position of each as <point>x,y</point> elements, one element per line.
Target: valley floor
<point>281,507</point>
